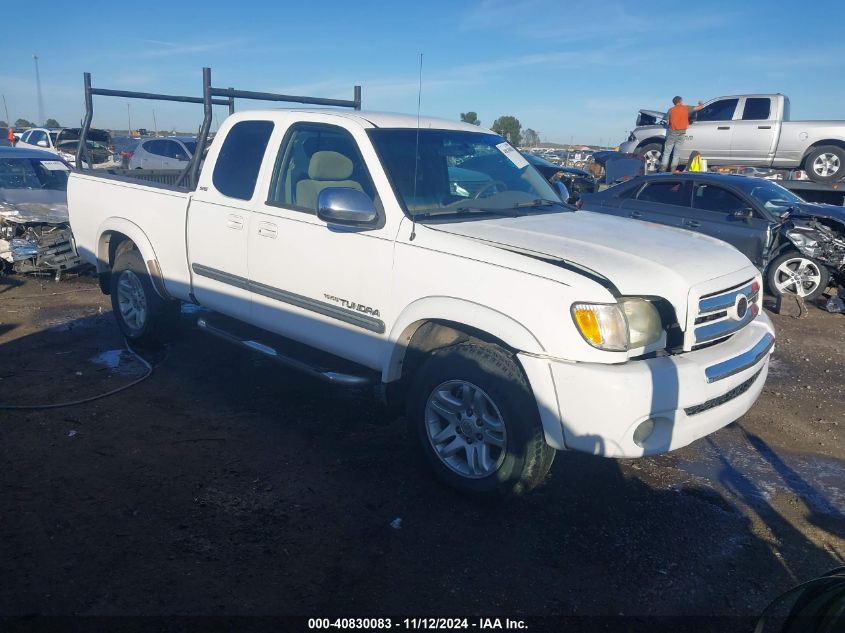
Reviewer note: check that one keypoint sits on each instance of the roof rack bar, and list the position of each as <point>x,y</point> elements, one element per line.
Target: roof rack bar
<point>269,96</point>
<point>131,94</point>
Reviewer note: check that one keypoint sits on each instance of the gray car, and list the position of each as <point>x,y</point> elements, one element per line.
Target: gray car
<point>799,246</point>
<point>163,153</point>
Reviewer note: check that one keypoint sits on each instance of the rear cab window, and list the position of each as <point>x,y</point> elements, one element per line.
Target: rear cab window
<point>239,160</point>
<point>757,109</point>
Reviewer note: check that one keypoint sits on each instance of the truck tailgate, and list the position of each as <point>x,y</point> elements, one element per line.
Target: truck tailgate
<point>153,217</point>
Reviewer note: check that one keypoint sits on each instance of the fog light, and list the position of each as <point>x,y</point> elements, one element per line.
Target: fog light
<point>643,432</point>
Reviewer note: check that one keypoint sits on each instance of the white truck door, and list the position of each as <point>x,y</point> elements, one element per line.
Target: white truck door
<point>219,220</point>
<point>754,131</point>
<point>712,131</point>
<point>325,286</point>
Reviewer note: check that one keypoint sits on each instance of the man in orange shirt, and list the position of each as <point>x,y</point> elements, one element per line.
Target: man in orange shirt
<point>678,118</point>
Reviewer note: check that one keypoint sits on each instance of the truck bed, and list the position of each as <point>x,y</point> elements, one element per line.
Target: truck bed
<point>105,204</point>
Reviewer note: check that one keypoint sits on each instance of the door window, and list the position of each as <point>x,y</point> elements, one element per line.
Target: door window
<point>721,110</point>
<point>239,160</point>
<point>757,109</point>
<point>315,157</point>
<point>665,192</point>
<point>157,148</point>
<point>37,136</point>
<point>717,199</point>
<point>172,149</point>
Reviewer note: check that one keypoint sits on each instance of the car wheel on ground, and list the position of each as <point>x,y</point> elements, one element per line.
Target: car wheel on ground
<point>473,414</point>
<point>142,315</point>
<point>825,164</point>
<point>652,153</point>
<point>795,274</point>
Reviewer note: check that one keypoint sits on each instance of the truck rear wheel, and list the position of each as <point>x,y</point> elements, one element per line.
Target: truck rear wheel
<point>476,421</point>
<point>142,315</point>
<point>825,164</point>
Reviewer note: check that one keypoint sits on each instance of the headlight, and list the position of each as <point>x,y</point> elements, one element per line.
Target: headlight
<point>631,323</point>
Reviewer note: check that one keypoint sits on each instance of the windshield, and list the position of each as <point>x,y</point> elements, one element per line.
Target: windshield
<point>33,173</point>
<point>773,197</point>
<point>458,172</point>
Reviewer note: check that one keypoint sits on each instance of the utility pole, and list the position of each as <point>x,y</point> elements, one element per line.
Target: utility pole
<point>7,112</point>
<point>155,125</point>
<point>129,119</point>
<point>40,98</point>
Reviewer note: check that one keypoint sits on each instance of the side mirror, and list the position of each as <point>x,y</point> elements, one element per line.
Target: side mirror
<point>42,143</point>
<point>181,157</point>
<point>745,214</point>
<point>562,191</point>
<point>346,207</point>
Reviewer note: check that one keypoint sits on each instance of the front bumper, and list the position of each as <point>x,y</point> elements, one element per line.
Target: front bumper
<point>596,408</point>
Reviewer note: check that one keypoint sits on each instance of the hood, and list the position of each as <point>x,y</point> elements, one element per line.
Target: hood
<point>639,258</point>
<point>650,117</point>
<point>72,134</point>
<point>21,206</point>
<point>810,210</point>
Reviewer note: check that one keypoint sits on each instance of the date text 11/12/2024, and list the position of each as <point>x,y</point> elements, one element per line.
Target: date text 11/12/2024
<point>416,623</point>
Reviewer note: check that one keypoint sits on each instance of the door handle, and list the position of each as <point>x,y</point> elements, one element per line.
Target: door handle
<point>235,222</point>
<point>636,215</point>
<point>764,127</point>
<point>267,229</point>
<point>693,224</point>
<point>724,127</point>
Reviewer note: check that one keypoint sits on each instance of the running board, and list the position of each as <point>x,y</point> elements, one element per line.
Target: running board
<point>334,377</point>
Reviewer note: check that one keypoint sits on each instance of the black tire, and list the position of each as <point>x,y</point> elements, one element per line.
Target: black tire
<point>644,150</point>
<point>831,164</point>
<point>774,276</point>
<point>525,458</point>
<point>160,317</point>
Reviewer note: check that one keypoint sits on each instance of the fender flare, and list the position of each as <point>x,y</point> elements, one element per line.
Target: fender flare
<point>141,241</point>
<point>458,311</point>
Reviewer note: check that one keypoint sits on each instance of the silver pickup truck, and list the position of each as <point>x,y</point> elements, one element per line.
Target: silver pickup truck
<point>752,130</point>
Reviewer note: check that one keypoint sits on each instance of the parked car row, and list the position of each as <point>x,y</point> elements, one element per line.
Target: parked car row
<point>65,141</point>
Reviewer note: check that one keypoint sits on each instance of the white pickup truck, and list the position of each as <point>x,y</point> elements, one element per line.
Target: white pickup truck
<point>429,258</point>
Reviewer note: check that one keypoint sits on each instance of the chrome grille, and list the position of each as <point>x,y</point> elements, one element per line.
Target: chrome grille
<point>722,313</point>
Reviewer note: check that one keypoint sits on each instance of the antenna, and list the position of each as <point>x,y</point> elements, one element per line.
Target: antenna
<point>417,153</point>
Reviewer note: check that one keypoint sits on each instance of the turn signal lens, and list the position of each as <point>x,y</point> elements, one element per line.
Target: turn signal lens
<point>602,325</point>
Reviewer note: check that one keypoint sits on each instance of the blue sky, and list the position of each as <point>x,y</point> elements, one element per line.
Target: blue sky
<point>566,69</point>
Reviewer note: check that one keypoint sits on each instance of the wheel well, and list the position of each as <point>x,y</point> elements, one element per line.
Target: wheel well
<point>817,144</point>
<point>654,139</point>
<point>116,243</point>
<point>427,336</point>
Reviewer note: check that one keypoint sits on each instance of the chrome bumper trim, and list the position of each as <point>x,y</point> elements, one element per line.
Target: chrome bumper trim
<point>742,362</point>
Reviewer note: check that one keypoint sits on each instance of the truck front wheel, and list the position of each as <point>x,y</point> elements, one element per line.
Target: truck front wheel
<point>474,416</point>
<point>142,315</point>
<point>652,152</point>
<point>825,164</point>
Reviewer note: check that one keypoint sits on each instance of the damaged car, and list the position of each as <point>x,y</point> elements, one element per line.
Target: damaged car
<point>65,141</point>
<point>799,246</point>
<point>35,235</point>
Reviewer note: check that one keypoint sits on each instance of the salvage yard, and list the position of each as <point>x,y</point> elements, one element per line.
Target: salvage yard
<point>224,484</point>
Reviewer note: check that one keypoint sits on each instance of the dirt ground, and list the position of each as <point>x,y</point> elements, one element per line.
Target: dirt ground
<point>224,484</point>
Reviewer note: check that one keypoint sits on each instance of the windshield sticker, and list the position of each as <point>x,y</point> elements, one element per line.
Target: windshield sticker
<point>54,165</point>
<point>513,156</point>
